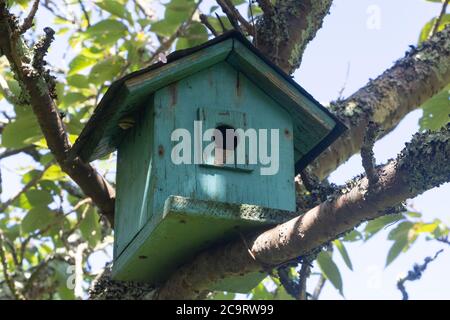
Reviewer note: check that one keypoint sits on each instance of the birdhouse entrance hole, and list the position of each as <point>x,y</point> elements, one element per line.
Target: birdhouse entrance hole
<point>226,142</point>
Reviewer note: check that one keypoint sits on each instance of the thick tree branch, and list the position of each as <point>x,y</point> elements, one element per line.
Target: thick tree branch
<point>367,155</point>
<point>422,165</point>
<point>286,29</point>
<point>414,79</point>
<point>35,84</point>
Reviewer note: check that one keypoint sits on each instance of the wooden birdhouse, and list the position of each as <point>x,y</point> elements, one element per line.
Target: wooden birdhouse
<point>174,198</point>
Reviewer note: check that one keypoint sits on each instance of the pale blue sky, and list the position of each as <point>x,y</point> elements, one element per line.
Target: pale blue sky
<point>345,40</point>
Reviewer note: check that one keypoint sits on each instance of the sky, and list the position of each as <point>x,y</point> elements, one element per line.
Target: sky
<point>359,40</point>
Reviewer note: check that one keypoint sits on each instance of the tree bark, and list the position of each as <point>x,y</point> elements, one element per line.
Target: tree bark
<point>286,29</point>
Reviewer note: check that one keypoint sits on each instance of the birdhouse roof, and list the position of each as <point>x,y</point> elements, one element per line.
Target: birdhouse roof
<point>311,120</point>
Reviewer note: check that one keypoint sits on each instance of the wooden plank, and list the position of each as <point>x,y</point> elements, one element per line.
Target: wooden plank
<point>311,123</point>
<point>134,179</point>
<point>188,227</point>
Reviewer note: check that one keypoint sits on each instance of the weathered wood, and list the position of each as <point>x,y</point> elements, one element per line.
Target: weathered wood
<point>190,226</point>
<point>223,84</point>
<point>314,125</point>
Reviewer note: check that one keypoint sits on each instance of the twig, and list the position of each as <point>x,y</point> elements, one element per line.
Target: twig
<point>85,13</point>
<point>303,279</point>
<point>10,282</point>
<point>205,21</point>
<point>235,17</point>
<point>165,45</point>
<point>415,274</point>
<point>347,74</point>
<point>221,23</point>
<point>12,152</point>
<point>291,287</point>
<point>444,240</point>
<point>56,14</point>
<point>367,155</point>
<point>437,23</point>
<point>28,186</point>
<point>28,22</point>
<point>319,287</point>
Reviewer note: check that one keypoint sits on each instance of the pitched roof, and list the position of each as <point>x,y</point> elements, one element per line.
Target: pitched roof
<point>315,128</point>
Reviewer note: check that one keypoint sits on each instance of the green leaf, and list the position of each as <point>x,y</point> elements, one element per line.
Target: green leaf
<point>115,7</point>
<point>220,295</point>
<point>62,272</point>
<point>260,292</point>
<point>22,132</point>
<point>90,227</point>
<point>53,173</point>
<point>78,81</point>
<point>177,12</point>
<point>79,63</point>
<point>106,70</point>
<point>340,246</point>
<point>376,225</point>
<point>436,111</point>
<point>106,32</point>
<point>72,99</point>
<point>426,30</point>
<point>164,28</point>
<point>398,246</point>
<point>401,231</point>
<point>352,236</point>
<point>196,34</point>
<point>38,218</point>
<point>330,270</point>
<point>39,198</point>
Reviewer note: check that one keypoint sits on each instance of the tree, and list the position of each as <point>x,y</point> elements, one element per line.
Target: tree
<point>64,210</point>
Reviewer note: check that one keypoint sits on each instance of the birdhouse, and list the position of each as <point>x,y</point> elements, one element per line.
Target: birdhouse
<point>209,142</point>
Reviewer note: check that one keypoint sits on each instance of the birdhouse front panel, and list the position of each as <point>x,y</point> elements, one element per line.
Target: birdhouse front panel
<point>217,97</point>
<point>184,183</point>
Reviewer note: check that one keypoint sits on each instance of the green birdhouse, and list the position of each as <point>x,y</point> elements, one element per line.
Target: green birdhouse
<point>209,143</point>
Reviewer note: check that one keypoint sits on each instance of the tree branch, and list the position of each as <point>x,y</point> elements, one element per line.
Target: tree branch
<point>205,21</point>
<point>367,155</point>
<point>423,164</point>
<point>286,29</point>
<point>415,274</point>
<point>28,22</point>
<point>27,187</point>
<point>35,83</point>
<point>413,80</point>
<point>234,16</point>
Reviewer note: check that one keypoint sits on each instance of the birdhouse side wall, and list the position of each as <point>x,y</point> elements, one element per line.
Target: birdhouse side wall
<point>135,182</point>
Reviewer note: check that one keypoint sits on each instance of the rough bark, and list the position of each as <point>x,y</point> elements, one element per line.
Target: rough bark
<point>413,80</point>
<point>37,91</point>
<point>422,165</point>
<point>285,30</point>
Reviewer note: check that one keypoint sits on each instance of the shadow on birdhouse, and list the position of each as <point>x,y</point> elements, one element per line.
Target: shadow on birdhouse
<point>208,147</point>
